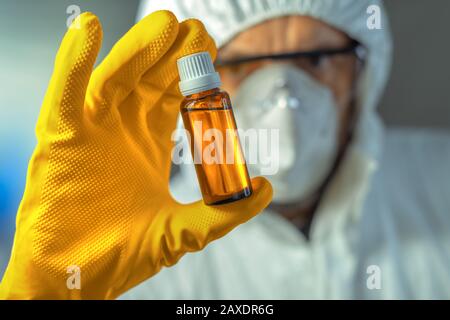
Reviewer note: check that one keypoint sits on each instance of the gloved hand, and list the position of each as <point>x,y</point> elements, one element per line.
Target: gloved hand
<point>97,194</point>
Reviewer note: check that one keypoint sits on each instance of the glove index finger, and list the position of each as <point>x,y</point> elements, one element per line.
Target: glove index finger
<point>137,51</point>
<point>158,87</point>
<point>192,38</point>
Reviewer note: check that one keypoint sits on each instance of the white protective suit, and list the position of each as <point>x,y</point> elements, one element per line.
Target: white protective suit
<point>382,227</point>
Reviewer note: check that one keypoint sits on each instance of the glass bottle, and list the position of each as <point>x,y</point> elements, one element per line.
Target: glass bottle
<point>208,118</point>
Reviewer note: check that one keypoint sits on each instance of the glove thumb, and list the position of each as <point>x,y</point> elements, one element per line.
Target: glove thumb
<point>195,225</point>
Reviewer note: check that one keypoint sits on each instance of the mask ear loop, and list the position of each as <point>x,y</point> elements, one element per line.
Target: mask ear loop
<point>360,54</point>
<point>360,63</point>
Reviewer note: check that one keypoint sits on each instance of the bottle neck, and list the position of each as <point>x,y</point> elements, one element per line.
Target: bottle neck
<point>203,94</point>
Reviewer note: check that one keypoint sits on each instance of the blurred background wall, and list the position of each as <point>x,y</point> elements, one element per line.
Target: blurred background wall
<point>418,93</point>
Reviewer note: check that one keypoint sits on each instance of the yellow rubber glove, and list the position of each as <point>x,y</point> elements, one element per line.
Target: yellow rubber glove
<point>97,194</point>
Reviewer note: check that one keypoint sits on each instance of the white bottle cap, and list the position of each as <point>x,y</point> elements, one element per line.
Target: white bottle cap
<point>197,73</point>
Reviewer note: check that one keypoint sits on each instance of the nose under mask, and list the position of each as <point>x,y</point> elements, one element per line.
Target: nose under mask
<point>284,98</point>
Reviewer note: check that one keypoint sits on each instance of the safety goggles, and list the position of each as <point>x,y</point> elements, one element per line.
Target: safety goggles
<point>241,67</point>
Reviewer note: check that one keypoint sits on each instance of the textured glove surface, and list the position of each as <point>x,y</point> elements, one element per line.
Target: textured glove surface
<point>97,194</point>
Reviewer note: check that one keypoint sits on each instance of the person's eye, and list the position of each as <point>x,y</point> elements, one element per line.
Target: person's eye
<point>312,63</point>
<point>317,61</point>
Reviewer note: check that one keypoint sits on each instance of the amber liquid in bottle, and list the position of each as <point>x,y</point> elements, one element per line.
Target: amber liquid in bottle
<point>215,147</point>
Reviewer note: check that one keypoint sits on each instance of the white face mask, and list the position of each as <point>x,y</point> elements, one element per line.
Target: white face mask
<point>283,97</point>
